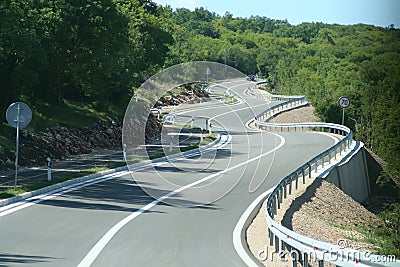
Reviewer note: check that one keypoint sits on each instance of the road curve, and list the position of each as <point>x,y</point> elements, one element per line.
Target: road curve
<point>115,223</point>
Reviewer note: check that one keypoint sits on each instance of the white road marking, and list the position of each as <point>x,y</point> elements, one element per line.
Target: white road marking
<point>59,192</point>
<point>96,250</point>
<point>225,140</point>
<point>40,198</point>
<point>237,232</point>
<point>241,101</point>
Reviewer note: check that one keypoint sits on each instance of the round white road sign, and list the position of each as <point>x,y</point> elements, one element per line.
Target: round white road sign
<point>344,102</point>
<point>19,114</point>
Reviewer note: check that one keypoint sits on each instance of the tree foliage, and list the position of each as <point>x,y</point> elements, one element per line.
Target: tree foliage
<point>89,50</point>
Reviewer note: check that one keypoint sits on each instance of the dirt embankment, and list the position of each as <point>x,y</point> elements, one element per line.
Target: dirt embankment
<point>326,213</point>
<point>304,114</point>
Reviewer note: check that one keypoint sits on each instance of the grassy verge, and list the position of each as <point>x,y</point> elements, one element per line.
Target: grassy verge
<point>41,184</point>
<point>230,100</point>
<point>384,238</point>
<point>388,236</point>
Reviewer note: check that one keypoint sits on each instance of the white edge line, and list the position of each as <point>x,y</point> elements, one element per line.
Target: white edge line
<point>11,208</point>
<point>237,232</point>
<point>99,246</point>
<point>55,193</point>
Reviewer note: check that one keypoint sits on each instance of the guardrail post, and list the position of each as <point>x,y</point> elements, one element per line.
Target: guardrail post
<point>316,166</point>
<point>294,262</point>
<point>297,182</point>
<point>276,241</point>
<point>320,263</point>
<point>300,257</point>
<point>271,237</point>
<point>277,200</point>
<point>309,170</point>
<point>283,245</point>
<point>304,176</point>
<point>305,259</point>
<point>284,191</point>
<point>323,161</point>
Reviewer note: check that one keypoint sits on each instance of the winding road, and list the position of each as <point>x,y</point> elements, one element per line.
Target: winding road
<point>114,222</point>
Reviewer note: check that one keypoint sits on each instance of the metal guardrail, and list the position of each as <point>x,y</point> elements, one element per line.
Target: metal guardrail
<point>302,248</point>
<point>289,102</point>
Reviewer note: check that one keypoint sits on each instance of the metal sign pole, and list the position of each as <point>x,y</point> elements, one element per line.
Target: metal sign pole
<point>18,115</point>
<point>343,102</point>
<point>17,146</point>
<point>343,116</point>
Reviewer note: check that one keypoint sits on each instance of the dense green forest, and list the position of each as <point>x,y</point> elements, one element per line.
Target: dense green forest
<point>92,54</point>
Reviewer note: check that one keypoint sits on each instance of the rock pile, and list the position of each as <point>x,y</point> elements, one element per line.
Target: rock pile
<point>62,142</point>
<point>187,94</point>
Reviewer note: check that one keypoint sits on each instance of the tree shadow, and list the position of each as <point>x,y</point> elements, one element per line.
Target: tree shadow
<point>120,194</point>
<point>6,259</point>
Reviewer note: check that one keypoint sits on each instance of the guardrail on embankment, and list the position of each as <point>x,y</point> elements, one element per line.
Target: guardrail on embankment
<point>283,239</point>
<point>290,102</point>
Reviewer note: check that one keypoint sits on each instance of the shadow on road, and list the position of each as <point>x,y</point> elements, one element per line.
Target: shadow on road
<point>118,195</point>
<point>7,259</point>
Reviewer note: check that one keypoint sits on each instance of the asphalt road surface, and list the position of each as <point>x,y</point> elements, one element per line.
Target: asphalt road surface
<point>116,223</point>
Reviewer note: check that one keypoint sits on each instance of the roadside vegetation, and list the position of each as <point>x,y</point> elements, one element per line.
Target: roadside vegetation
<point>75,62</point>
